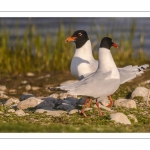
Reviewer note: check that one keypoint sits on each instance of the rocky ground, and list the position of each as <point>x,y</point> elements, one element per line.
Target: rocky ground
<point>28,94</point>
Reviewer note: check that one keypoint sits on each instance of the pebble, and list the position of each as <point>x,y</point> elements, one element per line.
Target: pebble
<point>3,87</point>
<point>120,118</point>
<point>46,76</point>
<point>63,96</point>
<point>73,111</point>
<point>140,91</point>
<point>128,103</point>
<point>34,88</point>
<point>1,112</point>
<point>20,112</point>
<point>55,95</point>
<point>29,103</point>
<point>12,90</point>
<point>24,82</point>
<point>30,74</point>
<point>28,87</point>
<point>3,96</point>
<point>146,82</point>
<point>12,101</point>
<point>11,110</point>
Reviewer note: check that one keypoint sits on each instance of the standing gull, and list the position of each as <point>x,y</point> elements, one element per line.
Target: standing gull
<point>103,82</point>
<point>83,62</point>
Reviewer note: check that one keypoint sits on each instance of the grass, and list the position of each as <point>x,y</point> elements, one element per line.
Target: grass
<point>35,53</point>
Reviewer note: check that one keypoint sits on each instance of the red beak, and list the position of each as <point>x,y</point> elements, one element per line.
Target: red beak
<point>114,45</point>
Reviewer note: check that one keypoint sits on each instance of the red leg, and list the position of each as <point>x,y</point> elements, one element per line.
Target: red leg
<point>85,102</point>
<point>97,104</point>
<point>90,102</point>
<point>111,102</point>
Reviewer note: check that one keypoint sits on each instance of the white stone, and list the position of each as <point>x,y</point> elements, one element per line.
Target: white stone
<point>11,110</point>
<point>29,103</point>
<point>3,96</point>
<point>1,112</point>
<point>88,109</point>
<point>140,91</point>
<point>63,95</point>
<point>120,118</point>
<point>73,111</point>
<point>24,82</point>
<point>30,74</point>
<point>3,87</point>
<point>34,88</point>
<point>20,113</point>
<point>55,95</point>
<point>28,87</point>
<point>146,82</point>
<point>128,103</point>
<point>12,101</point>
<point>12,90</point>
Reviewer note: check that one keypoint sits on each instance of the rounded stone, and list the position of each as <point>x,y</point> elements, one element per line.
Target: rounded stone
<point>20,113</point>
<point>12,101</point>
<point>120,118</point>
<point>128,103</point>
<point>29,103</point>
<point>140,91</point>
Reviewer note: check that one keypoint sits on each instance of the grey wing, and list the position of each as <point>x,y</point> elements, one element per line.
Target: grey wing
<point>130,72</point>
<point>88,79</point>
<point>96,88</point>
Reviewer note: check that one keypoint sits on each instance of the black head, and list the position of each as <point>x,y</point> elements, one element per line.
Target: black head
<point>79,37</point>
<point>106,42</point>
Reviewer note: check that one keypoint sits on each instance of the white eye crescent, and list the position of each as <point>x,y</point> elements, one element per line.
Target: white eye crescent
<point>79,34</point>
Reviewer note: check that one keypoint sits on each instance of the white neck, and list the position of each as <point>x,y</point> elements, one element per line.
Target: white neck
<point>85,52</point>
<point>106,62</point>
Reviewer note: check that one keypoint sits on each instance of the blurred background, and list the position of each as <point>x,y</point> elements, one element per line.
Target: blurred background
<point>38,44</point>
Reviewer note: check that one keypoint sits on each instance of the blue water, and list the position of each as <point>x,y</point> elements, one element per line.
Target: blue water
<point>51,26</point>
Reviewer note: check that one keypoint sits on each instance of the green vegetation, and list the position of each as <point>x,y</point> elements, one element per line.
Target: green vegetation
<point>35,53</point>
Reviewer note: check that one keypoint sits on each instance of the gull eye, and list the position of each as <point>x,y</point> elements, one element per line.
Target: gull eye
<point>79,34</point>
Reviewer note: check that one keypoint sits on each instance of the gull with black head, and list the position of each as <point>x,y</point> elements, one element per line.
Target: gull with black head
<point>103,82</point>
